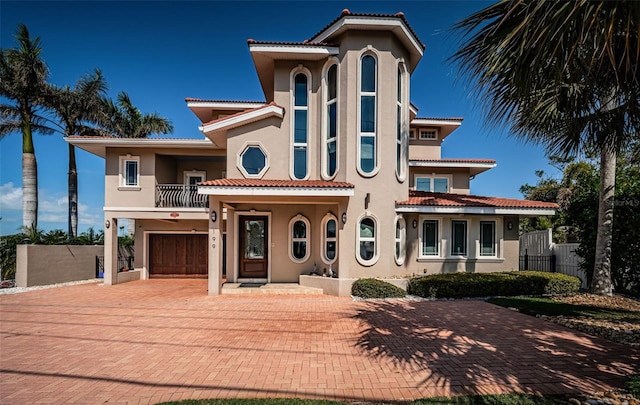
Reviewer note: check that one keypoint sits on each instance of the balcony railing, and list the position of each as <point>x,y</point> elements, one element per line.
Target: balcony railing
<point>180,195</point>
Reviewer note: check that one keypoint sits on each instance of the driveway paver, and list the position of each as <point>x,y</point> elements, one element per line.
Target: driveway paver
<point>158,340</point>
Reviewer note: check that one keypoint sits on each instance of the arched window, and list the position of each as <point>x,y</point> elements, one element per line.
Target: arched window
<point>300,141</point>
<point>367,133</point>
<point>400,240</point>
<point>367,236</point>
<point>330,153</point>
<point>329,239</point>
<point>299,239</point>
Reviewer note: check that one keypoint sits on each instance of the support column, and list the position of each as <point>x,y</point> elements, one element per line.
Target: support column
<point>215,247</point>
<point>110,250</point>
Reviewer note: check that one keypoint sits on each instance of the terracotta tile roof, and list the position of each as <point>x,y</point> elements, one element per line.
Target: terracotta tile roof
<point>422,198</point>
<point>149,138</point>
<point>440,119</point>
<point>188,99</point>
<point>489,161</point>
<point>275,183</point>
<point>346,12</point>
<point>303,43</point>
<point>242,113</point>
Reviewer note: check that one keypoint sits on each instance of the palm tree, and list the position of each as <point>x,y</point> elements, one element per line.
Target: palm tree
<point>564,75</point>
<point>23,75</point>
<point>75,108</point>
<point>126,121</point>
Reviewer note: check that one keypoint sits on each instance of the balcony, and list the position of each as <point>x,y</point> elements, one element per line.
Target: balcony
<point>180,196</point>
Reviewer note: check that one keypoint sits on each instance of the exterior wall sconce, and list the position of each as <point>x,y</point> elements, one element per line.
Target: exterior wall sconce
<point>509,225</point>
<point>415,223</point>
<point>107,224</point>
<point>366,201</point>
<point>214,216</point>
<point>344,217</point>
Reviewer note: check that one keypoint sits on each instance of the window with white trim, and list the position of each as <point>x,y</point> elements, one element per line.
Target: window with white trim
<point>400,165</point>
<point>412,134</point>
<point>129,171</point>
<point>330,161</point>
<point>329,239</point>
<point>428,134</point>
<point>400,240</point>
<point>299,230</point>
<point>367,247</point>
<point>367,133</point>
<point>430,237</point>
<point>299,144</point>
<point>458,238</point>
<point>253,160</point>
<point>433,184</point>
<point>488,238</point>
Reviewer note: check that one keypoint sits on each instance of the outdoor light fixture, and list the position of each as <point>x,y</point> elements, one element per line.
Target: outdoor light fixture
<point>509,225</point>
<point>214,216</point>
<point>344,217</point>
<point>107,224</point>
<point>415,223</point>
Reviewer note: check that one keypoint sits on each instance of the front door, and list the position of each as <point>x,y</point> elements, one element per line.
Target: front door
<point>254,246</point>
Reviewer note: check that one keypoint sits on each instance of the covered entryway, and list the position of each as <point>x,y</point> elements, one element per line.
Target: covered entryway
<point>178,255</point>
<point>254,247</point>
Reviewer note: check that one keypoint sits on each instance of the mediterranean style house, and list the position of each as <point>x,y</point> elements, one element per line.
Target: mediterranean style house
<point>332,178</point>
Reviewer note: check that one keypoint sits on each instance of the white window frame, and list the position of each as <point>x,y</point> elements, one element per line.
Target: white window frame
<point>123,172</point>
<point>495,239</point>
<point>431,177</point>
<point>425,131</point>
<point>401,135</point>
<point>421,252</point>
<point>412,134</point>
<point>306,239</point>
<point>326,239</point>
<point>400,241</point>
<point>295,72</point>
<point>369,51</point>
<point>333,61</point>
<point>194,173</point>
<point>374,239</point>
<point>239,165</point>
<point>466,231</point>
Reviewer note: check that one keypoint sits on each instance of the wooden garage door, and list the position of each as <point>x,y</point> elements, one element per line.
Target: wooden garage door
<point>178,255</point>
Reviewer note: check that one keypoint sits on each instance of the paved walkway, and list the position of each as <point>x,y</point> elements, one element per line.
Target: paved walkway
<point>159,340</point>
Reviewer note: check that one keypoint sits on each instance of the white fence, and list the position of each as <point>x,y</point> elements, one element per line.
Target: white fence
<point>539,243</point>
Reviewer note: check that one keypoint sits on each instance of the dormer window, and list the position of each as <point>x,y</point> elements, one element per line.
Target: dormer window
<point>367,134</point>
<point>300,125</point>
<point>330,152</point>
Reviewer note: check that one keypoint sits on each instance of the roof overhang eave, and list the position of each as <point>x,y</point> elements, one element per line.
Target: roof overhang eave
<point>234,122</point>
<point>276,191</point>
<point>526,212</point>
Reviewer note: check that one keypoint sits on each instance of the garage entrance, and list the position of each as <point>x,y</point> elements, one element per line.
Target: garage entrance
<point>178,255</point>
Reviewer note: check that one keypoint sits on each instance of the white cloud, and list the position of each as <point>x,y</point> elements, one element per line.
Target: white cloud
<point>10,197</point>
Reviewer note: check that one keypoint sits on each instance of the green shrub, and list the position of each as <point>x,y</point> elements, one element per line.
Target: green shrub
<point>633,385</point>
<point>373,288</point>
<point>460,285</point>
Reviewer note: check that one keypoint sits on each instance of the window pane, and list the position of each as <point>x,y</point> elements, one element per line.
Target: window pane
<point>332,76</point>
<point>367,250</point>
<point>367,153</point>
<point>254,240</point>
<point>299,250</point>
<point>430,238</point>
<point>300,162</point>
<point>331,250</point>
<point>299,229</point>
<point>131,173</point>
<point>367,228</point>
<point>459,238</point>
<point>487,238</point>
<point>368,74</point>
<point>399,85</point>
<point>331,228</point>
<point>368,114</point>
<point>300,122</point>
<point>301,90</point>
<point>441,185</point>
<point>423,184</point>
<point>331,125</point>
<point>331,158</point>
<point>253,160</point>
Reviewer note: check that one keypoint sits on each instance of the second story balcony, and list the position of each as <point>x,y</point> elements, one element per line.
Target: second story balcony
<point>180,196</point>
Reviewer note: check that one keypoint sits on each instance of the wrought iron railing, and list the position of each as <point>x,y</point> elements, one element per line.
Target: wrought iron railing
<point>180,195</point>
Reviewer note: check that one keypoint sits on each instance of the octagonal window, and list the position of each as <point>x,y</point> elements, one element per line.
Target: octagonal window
<point>253,161</point>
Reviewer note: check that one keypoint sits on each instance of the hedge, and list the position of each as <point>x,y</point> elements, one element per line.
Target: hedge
<point>374,288</point>
<point>513,283</point>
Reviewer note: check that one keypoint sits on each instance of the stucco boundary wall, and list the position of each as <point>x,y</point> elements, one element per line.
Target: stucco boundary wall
<point>342,286</point>
<point>51,264</point>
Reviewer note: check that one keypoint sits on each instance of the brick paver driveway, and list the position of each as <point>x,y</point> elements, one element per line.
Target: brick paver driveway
<point>152,341</point>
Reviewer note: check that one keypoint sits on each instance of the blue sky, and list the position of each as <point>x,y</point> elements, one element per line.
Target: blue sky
<point>162,52</point>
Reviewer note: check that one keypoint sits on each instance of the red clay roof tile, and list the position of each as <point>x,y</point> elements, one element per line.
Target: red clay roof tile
<point>242,113</point>
<point>490,161</point>
<point>421,198</point>
<point>275,183</point>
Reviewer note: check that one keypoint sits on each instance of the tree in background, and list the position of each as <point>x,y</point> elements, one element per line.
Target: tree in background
<point>126,121</point>
<point>23,76</point>
<point>564,75</point>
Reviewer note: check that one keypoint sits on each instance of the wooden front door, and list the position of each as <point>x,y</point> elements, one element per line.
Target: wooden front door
<point>179,255</point>
<point>253,246</point>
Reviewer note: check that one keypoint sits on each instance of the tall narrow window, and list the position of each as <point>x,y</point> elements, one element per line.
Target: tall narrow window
<point>458,238</point>
<point>300,126</point>
<point>368,106</point>
<point>400,170</point>
<point>329,239</point>
<point>331,136</point>
<point>429,245</point>
<point>367,253</point>
<point>299,239</point>
<point>129,171</point>
<point>487,238</point>
<point>400,240</point>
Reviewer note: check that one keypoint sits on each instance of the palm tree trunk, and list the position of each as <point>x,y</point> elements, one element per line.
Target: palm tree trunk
<point>73,193</point>
<point>29,180</point>
<point>601,281</point>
